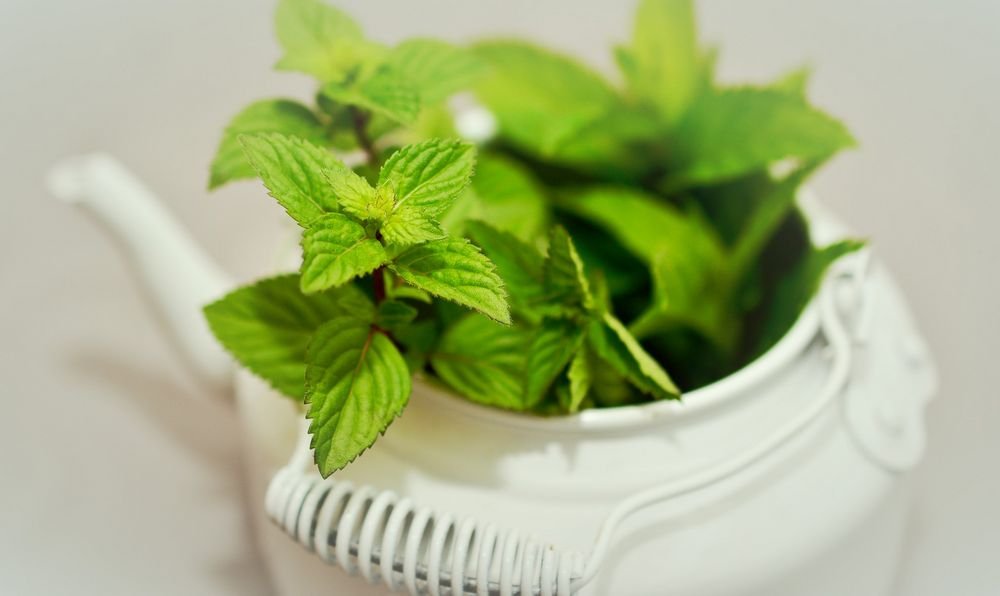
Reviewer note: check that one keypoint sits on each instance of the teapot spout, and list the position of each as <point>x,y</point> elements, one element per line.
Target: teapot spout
<point>177,275</point>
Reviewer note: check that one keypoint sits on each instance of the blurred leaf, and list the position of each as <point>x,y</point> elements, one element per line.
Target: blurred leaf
<point>270,115</point>
<point>436,69</point>
<point>733,132</point>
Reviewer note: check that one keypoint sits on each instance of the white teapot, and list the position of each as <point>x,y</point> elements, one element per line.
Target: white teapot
<point>786,478</point>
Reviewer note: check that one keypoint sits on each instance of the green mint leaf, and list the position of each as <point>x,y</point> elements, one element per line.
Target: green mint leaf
<point>437,69</point>
<point>269,115</point>
<point>483,361</point>
<point>608,388</point>
<point>356,197</point>
<point>425,179</point>
<point>613,344</point>
<point>385,91</point>
<point>687,261</point>
<point>336,249</point>
<point>798,287</point>
<point>540,98</point>
<point>579,380</point>
<point>509,197</point>
<point>393,314</point>
<point>292,170</point>
<point>565,280</point>
<point>408,226</point>
<point>663,65</point>
<point>733,132</point>
<point>266,326</point>
<point>769,211</point>
<point>320,40</point>
<point>356,384</point>
<point>518,263</point>
<point>691,293</point>
<point>455,269</point>
<point>553,346</point>
<point>796,82</point>
<point>428,176</point>
<point>645,225</point>
<point>406,292</point>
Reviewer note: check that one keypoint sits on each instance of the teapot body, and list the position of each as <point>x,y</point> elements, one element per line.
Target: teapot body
<point>822,514</point>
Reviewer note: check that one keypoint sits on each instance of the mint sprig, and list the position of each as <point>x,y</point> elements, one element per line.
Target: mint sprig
<point>356,379</point>
<point>613,227</point>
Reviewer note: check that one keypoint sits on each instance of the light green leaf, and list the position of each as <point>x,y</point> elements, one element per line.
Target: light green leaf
<point>356,384</point>
<point>795,82</point>
<point>336,249</point>
<point>269,115</point>
<point>798,287</point>
<point>553,345</point>
<point>733,132</point>
<point>663,66</point>
<point>690,293</point>
<point>579,380</point>
<point>565,280</point>
<point>645,225</point>
<point>509,197</point>
<point>437,69</point>
<point>613,344</point>
<point>408,226</point>
<point>320,40</point>
<point>385,91</point>
<point>355,196</point>
<point>484,361</point>
<point>687,261</point>
<point>266,326</point>
<point>429,176</point>
<point>393,314</point>
<point>540,97</point>
<point>455,269</point>
<point>292,170</point>
<point>518,263</point>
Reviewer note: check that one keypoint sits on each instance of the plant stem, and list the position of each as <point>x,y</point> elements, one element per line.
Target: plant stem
<point>378,281</point>
<point>360,121</point>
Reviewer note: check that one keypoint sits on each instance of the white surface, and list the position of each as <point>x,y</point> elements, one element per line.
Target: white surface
<point>108,442</point>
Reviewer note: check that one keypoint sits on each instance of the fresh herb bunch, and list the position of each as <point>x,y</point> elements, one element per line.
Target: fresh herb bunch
<point>667,202</point>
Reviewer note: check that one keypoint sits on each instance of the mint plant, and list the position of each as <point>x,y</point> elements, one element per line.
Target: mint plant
<point>608,233</point>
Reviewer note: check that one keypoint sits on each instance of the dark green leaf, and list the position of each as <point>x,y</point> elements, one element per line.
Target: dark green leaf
<point>393,314</point>
<point>798,287</point>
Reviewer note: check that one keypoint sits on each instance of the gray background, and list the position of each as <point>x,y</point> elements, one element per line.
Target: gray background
<point>120,477</point>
